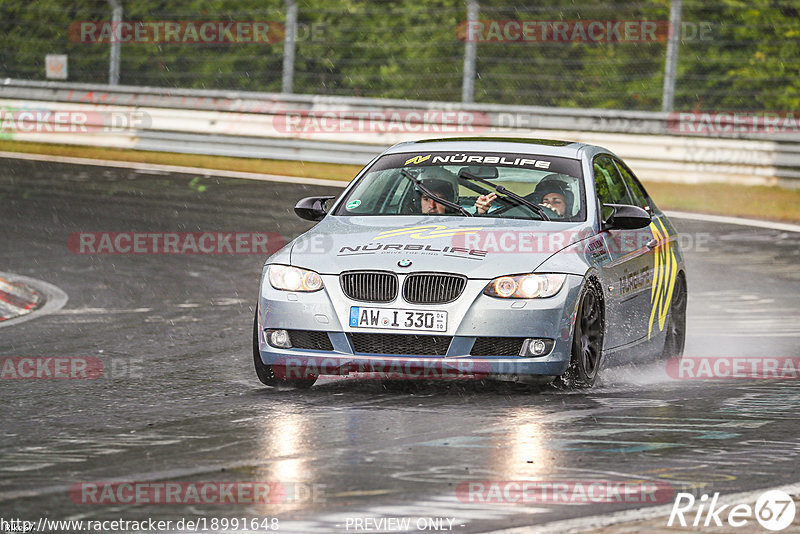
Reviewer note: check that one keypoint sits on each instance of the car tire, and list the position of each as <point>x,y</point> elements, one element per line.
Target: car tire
<point>587,340</point>
<point>265,373</point>
<point>675,336</point>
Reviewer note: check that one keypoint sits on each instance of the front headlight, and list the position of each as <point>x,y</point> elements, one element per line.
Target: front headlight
<point>288,278</point>
<point>525,286</point>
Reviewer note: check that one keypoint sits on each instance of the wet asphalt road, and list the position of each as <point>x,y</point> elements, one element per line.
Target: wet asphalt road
<point>179,399</point>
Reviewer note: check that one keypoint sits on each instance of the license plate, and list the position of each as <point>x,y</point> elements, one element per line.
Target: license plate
<point>396,319</point>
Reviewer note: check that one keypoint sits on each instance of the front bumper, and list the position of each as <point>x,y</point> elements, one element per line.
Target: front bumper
<point>473,316</point>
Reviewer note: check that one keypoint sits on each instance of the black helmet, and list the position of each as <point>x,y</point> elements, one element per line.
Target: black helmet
<point>440,182</point>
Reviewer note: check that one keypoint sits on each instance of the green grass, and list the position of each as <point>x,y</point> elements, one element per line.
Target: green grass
<point>306,169</point>
<point>755,202</point>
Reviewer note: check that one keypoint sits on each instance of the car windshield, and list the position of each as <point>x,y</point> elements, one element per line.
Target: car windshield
<point>526,186</point>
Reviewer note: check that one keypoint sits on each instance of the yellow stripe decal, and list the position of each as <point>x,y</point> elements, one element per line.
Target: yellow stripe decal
<point>665,271</point>
<point>430,231</point>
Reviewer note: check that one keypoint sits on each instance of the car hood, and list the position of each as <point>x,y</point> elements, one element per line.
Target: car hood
<point>480,248</point>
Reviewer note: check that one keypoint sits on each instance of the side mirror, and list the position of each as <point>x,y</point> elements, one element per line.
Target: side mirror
<point>312,208</point>
<point>624,217</point>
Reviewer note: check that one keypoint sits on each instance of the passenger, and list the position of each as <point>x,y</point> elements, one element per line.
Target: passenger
<point>549,193</point>
<point>484,202</point>
<point>555,195</point>
<point>556,202</point>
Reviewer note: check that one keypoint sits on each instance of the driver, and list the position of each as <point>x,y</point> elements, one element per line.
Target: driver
<point>441,183</point>
<point>429,206</point>
<point>444,184</point>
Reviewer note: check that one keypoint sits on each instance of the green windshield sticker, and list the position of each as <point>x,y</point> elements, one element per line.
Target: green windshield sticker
<point>353,204</point>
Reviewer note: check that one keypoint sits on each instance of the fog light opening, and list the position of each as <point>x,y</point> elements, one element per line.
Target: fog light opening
<point>534,347</point>
<point>278,339</point>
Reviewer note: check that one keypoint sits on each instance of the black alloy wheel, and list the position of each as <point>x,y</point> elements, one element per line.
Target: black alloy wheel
<point>587,341</point>
<point>675,338</point>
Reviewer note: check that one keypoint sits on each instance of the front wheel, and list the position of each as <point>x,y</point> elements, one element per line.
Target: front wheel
<point>675,338</point>
<point>587,341</point>
<point>265,372</point>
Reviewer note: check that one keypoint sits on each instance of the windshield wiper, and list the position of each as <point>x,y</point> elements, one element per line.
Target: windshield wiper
<point>500,189</point>
<point>432,195</point>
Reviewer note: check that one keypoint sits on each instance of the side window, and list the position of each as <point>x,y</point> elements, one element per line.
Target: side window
<point>637,193</point>
<point>608,182</point>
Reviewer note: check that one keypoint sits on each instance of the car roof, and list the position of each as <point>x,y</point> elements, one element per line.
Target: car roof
<point>542,147</point>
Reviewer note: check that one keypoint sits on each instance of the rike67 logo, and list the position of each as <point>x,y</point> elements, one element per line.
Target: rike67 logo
<point>774,510</point>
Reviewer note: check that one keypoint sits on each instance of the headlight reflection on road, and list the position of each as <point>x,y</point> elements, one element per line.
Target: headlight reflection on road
<point>523,452</point>
<point>278,445</point>
<point>287,442</point>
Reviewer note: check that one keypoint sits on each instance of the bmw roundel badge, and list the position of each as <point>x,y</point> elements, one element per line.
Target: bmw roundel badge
<point>404,263</point>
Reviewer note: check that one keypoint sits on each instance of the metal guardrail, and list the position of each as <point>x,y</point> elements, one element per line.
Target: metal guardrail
<point>243,124</point>
<point>256,147</point>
